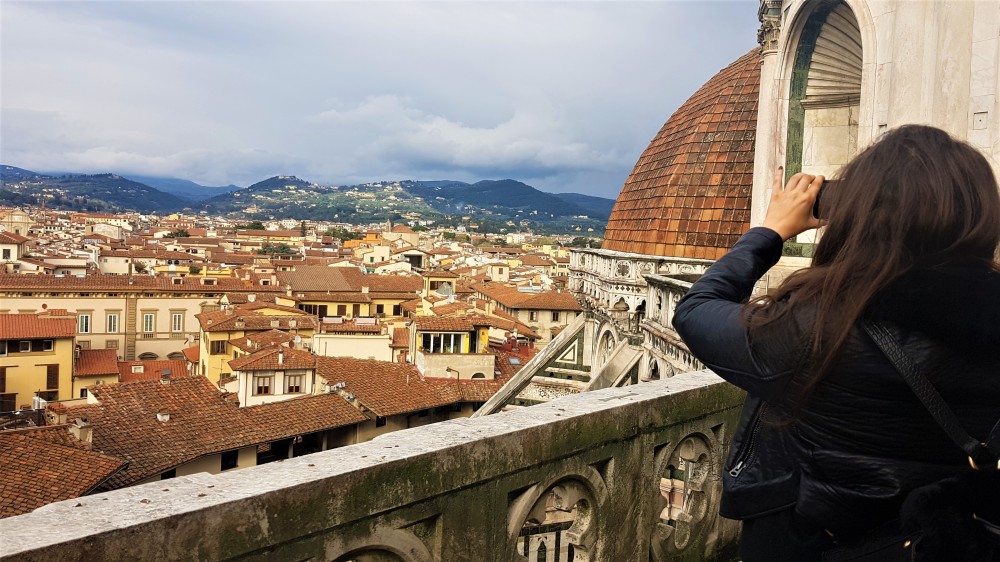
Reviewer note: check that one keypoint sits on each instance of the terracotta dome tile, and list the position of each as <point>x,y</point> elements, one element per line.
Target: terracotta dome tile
<point>695,176</point>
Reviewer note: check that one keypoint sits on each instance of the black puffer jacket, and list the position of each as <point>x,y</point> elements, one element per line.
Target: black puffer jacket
<point>847,456</point>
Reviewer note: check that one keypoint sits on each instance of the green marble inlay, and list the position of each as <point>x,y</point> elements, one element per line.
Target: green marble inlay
<point>797,113</point>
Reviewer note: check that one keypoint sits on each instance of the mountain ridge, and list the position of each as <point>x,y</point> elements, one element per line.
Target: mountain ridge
<point>494,203</point>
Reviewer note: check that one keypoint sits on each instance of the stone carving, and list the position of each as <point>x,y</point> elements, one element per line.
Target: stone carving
<point>684,498</point>
<point>565,506</point>
<point>386,545</point>
<point>606,347</point>
<point>623,269</point>
<point>767,35</point>
<point>769,15</point>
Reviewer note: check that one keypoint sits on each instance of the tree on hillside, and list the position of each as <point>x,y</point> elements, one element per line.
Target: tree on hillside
<point>180,233</point>
<point>584,242</point>
<point>276,249</point>
<point>253,225</point>
<point>344,234</point>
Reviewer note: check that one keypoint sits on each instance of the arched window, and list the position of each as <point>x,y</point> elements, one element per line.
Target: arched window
<point>542,552</point>
<point>478,376</point>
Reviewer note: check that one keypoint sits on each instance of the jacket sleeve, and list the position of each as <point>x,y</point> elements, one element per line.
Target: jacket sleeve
<point>709,317</point>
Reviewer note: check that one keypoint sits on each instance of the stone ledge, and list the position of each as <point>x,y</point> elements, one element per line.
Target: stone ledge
<point>254,509</point>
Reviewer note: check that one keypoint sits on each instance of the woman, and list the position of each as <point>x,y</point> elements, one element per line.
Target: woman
<point>833,440</point>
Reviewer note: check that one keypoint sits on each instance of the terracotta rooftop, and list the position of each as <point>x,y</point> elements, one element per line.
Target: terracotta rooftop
<point>151,370</point>
<point>228,321</point>
<point>36,469</point>
<point>192,353</point>
<point>125,424</point>
<point>350,327</point>
<point>306,414</point>
<point>442,324</point>
<point>383,387</point>
<point>127,284</point>
<point>268,360</point>
<point>27,326</point>
<point>11,238</point>
<point>97,362</point>
<point>400,338</point>
<point>689,193</point>
<point>511,297</point>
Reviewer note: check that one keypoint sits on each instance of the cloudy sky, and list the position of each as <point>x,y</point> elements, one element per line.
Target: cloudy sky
<point>563,96</point>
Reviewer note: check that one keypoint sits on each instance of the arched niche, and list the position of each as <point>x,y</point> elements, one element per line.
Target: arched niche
<point>824,99</point>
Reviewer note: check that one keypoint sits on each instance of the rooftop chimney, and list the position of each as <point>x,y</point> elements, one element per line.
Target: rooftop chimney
<point>82,430</point>
<point>281,356</point>
<point>364,290</point>
<point>162,416</point>
<point>165,376</point>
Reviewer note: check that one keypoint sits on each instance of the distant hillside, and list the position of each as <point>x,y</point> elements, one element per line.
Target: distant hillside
<point>98,192</point>
<point>184,188</point>
<point>488,205</point>
<point>494,194</point>
<point>598,207</point>
<point>13,174</point>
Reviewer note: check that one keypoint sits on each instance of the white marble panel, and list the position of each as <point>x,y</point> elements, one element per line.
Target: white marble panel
<point>984,67</point>
<point>883,83</point>
<point>884,24</point>
<point>827,116</point>
<point>829,146</point>
<point>980,138</point>
<point>986,24</point>
<point>978,104</point>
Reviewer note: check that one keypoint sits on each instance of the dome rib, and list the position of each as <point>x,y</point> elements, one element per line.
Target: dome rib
<point>689,193</point>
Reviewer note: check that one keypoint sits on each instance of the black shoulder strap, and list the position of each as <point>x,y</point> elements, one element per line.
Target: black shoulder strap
<point>981,454</point>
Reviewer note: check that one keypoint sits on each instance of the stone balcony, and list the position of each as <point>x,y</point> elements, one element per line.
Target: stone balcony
<point>614,475</point>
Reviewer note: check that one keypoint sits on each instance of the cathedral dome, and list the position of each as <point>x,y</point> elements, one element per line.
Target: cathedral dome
<point>689,194</point>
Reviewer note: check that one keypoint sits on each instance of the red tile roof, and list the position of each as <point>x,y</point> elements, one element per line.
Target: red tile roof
<point>11,238</point>
<point>689,193</point>
<point>26,326</point>
<point>442,324</point>
<point>125,424</point>
<point>152,370</point>
<point>350,327</point>
<point>511,297</point>
<point>38,468</point>
<point>97,362</point>
<point>338,296</point>
<point>400,338</point>
<point>128,284</point>
<point>192,353</point>
<point>226,321</point>
<point>385,388</point>
<point>267,360</point>
<point>306,414</point>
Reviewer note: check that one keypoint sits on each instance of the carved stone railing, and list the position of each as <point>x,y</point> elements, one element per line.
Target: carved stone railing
<point>615,475</point>
<point>617,282</point>
<point>659,337</point>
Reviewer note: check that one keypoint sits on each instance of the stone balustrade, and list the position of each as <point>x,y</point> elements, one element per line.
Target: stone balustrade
<point>615,475</point>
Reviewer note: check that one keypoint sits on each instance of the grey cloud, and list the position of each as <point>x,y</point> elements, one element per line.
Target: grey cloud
<point>562,94</point>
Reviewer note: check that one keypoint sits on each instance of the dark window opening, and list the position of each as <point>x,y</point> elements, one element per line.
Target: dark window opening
<point>379,421</point>
<point>230,459</point>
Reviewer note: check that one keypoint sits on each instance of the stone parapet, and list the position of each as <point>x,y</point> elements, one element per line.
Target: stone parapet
<point>618,474</point>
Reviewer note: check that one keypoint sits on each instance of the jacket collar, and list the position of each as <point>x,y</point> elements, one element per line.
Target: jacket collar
<point>959,306</point>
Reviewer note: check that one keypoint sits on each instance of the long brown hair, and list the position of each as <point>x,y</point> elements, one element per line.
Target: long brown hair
<point>917,198</point>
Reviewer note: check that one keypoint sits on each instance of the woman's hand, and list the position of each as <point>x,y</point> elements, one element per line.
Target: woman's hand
<point>790,211</point>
